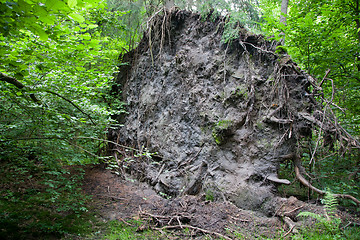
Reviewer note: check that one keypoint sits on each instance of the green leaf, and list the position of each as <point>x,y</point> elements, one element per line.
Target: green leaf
<point>77,17</point>
<point>86,36</point>
<point>56,5</point>
<point>91,26</point>
<point>42,34</point>
<point>72,3</point>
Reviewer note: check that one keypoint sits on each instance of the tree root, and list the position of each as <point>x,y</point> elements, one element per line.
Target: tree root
<point>302,179</point>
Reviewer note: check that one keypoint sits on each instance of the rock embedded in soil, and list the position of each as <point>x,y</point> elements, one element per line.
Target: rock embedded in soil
<point>220,116</point>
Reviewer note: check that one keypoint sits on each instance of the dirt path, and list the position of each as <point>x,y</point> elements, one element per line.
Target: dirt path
<point>119,199</point>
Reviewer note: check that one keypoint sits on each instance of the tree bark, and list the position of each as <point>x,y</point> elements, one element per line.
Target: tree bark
<point>284,10</point>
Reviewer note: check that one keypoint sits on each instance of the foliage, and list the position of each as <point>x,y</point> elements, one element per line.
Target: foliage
<point>209,195</point>
<point>134,229</point>
<point>328,224</point>
<point>322,35</point>
<point>38,199</point>
<point>62,55</point>
<point>70,73</point>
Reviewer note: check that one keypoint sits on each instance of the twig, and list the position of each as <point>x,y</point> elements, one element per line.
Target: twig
<point>161,216</point>
<point>88,152</point>
<point>239,219</point>
<point>295,209</point>
<point>69,101</point>
<point>108,141</point>
<point>110,196</point>
<point>291,229</point>
<point>324,78</point>
<point>276,212</point>
<point>119,218</point>
<point>291,225</point>
<point>195,228</point>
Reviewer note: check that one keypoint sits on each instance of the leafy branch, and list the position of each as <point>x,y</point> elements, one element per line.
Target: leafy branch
<point>18,84</point>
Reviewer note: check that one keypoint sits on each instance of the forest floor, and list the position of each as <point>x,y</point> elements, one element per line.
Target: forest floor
<point>120,199</point>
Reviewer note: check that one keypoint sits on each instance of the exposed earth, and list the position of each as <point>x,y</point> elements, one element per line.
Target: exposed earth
<point>207,125</point>
<point>120,199</point>
<point>117,199</point>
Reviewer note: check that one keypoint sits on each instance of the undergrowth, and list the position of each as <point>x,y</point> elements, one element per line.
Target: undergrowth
<point>130,230</point>
<point>328,224</point>
<point>39,200</point>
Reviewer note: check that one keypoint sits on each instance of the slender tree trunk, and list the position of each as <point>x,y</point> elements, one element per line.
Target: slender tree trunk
<point>357,20</point>
<point>169,4</point>
<point>284,10</point>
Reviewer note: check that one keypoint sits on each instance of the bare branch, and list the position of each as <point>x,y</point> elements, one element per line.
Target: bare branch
<point>72,103</point>
<point>19,85</point>
<point>16,83</point>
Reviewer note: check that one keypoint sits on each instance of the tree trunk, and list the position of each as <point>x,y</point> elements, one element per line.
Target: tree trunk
<point>284,10</point>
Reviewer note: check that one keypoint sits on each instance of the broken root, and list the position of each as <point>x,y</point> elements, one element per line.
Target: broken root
<point>302,179</point>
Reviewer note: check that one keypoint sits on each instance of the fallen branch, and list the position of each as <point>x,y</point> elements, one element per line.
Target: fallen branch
<point>195,228</point>
<point>291,229</point>
<point>167,218</point>
<point>295,209</point>
<point>290,224</point>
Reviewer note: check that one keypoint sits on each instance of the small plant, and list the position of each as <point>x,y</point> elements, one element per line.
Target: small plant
<point>209,196</point>
<point>328,224</point>
<point>219,131</point>
<point>38,199</point>
<point>164,195</point>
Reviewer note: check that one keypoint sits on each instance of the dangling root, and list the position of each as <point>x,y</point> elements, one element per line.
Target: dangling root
<point>302,179</point>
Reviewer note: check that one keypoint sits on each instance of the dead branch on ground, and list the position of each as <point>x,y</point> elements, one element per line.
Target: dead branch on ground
<point>166,221</point>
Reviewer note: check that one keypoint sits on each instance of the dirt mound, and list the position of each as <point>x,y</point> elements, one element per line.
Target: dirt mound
<point>120,199</point>
<point>209,120</point>
<point>221,117</point>
<point>117,199</point>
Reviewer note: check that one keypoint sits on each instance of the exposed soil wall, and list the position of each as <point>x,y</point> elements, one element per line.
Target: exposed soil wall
<point>221,117</point>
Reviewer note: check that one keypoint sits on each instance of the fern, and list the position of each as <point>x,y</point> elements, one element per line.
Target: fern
<point>330,203</point>
<point>316,216</point>
<point>328,221</point>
